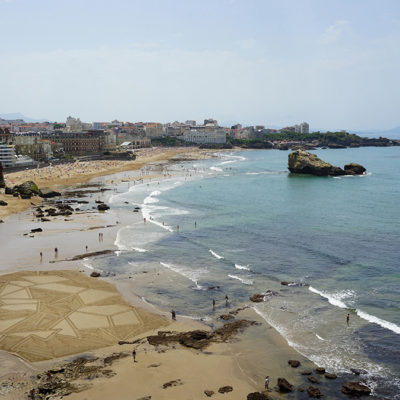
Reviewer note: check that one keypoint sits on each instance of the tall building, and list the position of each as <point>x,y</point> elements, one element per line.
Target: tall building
<point>7,155</point>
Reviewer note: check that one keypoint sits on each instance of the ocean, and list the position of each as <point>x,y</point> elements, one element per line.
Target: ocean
<point>240,224</point>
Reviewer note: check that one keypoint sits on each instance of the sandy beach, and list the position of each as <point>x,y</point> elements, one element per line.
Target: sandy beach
<point>51,311</point>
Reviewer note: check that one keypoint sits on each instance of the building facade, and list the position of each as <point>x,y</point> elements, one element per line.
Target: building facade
<point>195,136</point>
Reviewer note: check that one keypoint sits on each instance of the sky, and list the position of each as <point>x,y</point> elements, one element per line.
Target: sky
<point>332,63</point>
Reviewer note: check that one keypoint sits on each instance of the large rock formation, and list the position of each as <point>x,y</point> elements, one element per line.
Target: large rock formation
<point>355,389</point>
<point>303,162</point>
<point>2,183</point>
<point>26,190</point>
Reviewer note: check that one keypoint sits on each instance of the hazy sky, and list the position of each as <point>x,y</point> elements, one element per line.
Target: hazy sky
<point>333,63</point>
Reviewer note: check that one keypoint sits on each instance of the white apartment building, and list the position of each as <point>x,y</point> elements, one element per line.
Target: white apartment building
<point>7,155</point>
<point>194,136</point>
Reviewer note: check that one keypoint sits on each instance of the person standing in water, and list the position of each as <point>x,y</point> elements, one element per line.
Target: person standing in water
<point>266,383</point>
<point>348,319</point>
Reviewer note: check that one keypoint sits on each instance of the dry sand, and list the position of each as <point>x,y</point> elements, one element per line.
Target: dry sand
<point>83,171</point>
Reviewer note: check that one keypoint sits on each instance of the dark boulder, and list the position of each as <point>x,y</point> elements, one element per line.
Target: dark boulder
<point>95,274</point>
<point>284,386</point>
<point>209,393</point>
<point>320,370</point>
<point>306,372</point>
<point>257,396</point>
<point>47,193</point>
<point>314,392</point>
<point>3,203</point>
<point>8,190</point>
<point>312,379</point>
<point>355,389</point>
<point>103,207</point>
<point>225,389</point>
<point>294,363</point>
<point>36,230</point>
<point>330,376</point>
<point>354,169</point>
<point>358,371</point>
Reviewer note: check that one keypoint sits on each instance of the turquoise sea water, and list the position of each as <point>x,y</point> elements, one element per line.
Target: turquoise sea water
<point>257,225</point>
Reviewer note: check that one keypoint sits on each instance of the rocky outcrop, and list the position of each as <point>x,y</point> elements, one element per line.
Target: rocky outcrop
<point>2,183</point>
<point>47,193</point>
<point>355,389</point>
<point>284,386</point>
<point>199,339</point>
<point>303,162</point>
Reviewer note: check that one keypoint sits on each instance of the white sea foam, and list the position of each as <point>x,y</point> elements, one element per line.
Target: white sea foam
<point>252,173</point>
<point>319,337</point>
<point>215,254</point>
<point>123,245</point>
<point>246,267</point>
<point>243,280</point>
<point>384,324</point>
<point>190,274</point>
<point>336,298</point>
<point>228,162</point>
<point>216,169</point>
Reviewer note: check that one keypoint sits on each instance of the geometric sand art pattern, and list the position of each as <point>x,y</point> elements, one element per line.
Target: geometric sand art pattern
<point>49,314</point>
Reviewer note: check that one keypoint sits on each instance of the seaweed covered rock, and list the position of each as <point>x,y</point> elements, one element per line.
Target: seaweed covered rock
<point>26,190</point>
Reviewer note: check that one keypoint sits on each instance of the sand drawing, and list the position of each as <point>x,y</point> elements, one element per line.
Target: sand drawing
<point>49,314</point>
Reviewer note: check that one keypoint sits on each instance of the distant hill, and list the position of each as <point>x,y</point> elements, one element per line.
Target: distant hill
<point>21,116</point>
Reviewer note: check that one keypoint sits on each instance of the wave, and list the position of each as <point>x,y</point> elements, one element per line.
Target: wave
<point>192,275</point>
<point>253,173</point>
<point>216,169</point>
<point>215,254</point>
<point>335,299</point>
<point>381,322</point>
<point>246,267</point>
<point>243,280</point>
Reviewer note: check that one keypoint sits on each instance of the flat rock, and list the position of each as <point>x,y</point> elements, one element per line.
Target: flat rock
<point>48,193</point>
<point>209,393</point>
<point>306,372</point>
<point>330,376</point>
<point>169,384</point>
<point>225,389</point>
<point>355,389</point>
<point>312,379</point>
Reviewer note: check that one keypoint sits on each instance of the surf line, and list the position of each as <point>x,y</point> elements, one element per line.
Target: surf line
<point>370,318</point>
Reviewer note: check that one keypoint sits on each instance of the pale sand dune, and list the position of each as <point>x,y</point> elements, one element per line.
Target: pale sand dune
<point>50,314</point>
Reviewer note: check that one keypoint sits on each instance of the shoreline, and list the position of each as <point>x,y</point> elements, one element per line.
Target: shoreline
<point>250,381</point>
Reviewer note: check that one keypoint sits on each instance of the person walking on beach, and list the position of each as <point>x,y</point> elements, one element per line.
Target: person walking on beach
<point>41,256</point>
<point>213,304</point>
<point>56,252</point>
<point>226,300</point>
<point>348,319</point>
<point>173,315</point>
<point>266,383</point>
<point>134,355</point>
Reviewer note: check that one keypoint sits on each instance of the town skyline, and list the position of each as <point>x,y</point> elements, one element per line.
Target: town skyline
<point>256,62</point>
